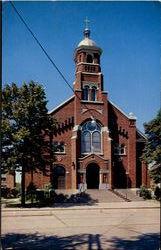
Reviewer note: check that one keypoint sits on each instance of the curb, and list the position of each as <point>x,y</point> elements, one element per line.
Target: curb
<point>51,211</point>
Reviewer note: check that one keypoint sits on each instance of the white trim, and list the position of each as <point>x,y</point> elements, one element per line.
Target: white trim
<point>77,127</point>
<point>95,64</point>
<point>90,84</point>
<point>86,156</point>
<point>60,153</point>
<point>54,109</point>
<point>140,133</point>
<point>74,137</point>
<point>94,102</point>
<point>87,73</point>
<point>105,129</point>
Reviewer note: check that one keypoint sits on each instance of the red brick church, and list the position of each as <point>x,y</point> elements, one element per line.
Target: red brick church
<point>97,146</point>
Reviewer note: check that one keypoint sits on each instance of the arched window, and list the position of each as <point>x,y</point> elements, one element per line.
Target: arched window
<point>93,94</point>
<point>96,139</point>
<point>119,149</point>
<point>122,149</point>
<point>89,59</point>
<point>59,146</point>
<point>80,58</point>
<point>91,138</point>
<point>86,141</point>
<point>86,93</point>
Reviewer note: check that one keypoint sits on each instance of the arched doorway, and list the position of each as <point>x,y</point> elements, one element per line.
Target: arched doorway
<point>59,177</point>
<point>92,176</point>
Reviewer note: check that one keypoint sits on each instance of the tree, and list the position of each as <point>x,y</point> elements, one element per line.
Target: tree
<point>26,130</point>
<point>152,150</point>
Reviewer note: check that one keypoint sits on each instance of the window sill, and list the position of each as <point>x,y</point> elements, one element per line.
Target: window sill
<point>93,102</point>
<point>60,153</point>
<point>121,154</point>
<point>90,153</point>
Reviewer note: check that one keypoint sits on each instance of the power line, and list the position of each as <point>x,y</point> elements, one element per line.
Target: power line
<point>45,52</point>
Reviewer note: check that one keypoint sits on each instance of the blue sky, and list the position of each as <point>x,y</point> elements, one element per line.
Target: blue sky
<point>127,32</point>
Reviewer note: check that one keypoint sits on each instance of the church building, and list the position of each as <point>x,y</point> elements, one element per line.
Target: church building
<point>97,145</point>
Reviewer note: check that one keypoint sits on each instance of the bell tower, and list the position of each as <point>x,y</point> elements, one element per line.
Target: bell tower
<point>90,107</point>
<point>89,79</point>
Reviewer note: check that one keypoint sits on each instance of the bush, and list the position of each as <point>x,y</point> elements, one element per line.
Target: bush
<point>48,191</point>
<point>145,193</point>
<point>157,193</point>
<point>31,191</point>
<point>40,195</point>
<point>15,193</point>
<point>5,192</point>
<point>47,187</point>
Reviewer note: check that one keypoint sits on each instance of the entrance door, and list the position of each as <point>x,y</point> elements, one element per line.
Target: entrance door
<point>92,176</point>
<point>59,177</point>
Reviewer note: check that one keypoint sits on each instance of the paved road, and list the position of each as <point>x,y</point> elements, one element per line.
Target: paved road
<point>84,229</point>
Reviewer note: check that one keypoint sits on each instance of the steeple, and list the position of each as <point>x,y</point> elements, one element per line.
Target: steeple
<point>89,79</point>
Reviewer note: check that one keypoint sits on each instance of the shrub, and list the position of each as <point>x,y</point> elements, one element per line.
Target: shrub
<point>157,193</point>
<point>5,192</point>
<point>47,187</point>
<point>31,191</point>
<point>40,195</point>
<point>145,193</point>
<point>48,191</point>
<point>15,193</point>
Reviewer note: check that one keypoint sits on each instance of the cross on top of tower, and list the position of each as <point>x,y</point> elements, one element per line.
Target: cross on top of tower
<point>86,31</point>
<point>87,23</point>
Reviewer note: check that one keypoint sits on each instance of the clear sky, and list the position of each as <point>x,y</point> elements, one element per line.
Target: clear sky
<point>127,32</point>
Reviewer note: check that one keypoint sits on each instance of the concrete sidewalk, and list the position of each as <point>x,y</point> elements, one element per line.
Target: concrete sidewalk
<point>68,206</point>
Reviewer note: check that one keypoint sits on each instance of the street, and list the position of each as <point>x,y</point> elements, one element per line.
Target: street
<point>82,229</point>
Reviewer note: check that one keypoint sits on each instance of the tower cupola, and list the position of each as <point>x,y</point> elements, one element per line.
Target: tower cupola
<point>88,70</point>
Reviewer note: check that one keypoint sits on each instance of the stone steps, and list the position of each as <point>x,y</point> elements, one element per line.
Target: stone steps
<point>103,196</point>
<point>129,194</point>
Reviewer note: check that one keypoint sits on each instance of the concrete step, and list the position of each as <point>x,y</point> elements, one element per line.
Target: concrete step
<point>130,194</point>
<point>104,196</point>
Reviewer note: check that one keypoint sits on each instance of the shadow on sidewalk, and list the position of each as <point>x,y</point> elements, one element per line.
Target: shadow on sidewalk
<point>150,241</point>
<point>79,241</point>
<point>59,200</point>
<point>35,242</point>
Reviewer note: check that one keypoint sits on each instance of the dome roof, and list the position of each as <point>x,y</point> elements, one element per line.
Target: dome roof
<point>87,42</point>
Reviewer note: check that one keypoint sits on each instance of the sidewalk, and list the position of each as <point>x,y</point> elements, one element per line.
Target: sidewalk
<point>47,211</point>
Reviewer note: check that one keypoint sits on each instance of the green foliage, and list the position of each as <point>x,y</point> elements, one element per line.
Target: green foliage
<point>15,193</point>
<point>26,129</point>
<point>31,190</point>
<point>145,193</point>
<point>152,151</point>
<point>47,187</point>
<point>5,192</point>
<point>155,173</point>
<point>9,193</point>
<point>157,193</point>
